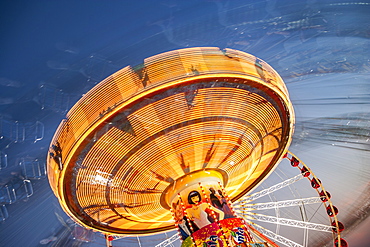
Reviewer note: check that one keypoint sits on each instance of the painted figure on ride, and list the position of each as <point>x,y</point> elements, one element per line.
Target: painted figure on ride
<point>199,211</point>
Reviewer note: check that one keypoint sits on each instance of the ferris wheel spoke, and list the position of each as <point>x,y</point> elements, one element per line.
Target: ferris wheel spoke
<point>169,241</point>
<point>288,222</point>
<point>278,204</point>
<point>273,236</point>
<point>269,190</point>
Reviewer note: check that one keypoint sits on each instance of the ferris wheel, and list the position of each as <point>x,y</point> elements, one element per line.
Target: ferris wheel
<point>308,213</point>
<point>183,141</point>
<point>302,215</point>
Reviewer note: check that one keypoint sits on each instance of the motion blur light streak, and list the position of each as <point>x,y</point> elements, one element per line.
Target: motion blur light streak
<point>318,47</point>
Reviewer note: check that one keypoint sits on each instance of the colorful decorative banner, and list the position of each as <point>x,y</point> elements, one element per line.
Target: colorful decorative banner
<point>209,235</point>
<point>235,232</point>
<point>228,232</point>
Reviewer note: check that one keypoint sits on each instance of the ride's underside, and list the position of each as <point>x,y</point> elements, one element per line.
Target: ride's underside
<point>137,132</point>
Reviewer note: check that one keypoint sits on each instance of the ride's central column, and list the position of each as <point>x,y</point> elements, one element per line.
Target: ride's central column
<point>202,211</point>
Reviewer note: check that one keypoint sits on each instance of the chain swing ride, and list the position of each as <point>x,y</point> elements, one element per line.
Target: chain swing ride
<point>181,141</point>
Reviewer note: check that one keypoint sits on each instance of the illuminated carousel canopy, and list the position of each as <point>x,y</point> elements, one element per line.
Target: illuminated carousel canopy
<point>124,146</point>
